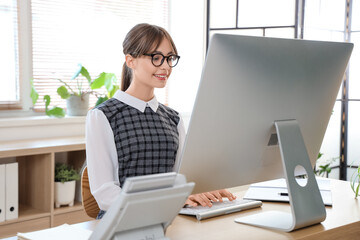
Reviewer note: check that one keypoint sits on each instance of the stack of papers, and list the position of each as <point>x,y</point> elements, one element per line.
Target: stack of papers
<point>276,190</point>
<point>62,232</point>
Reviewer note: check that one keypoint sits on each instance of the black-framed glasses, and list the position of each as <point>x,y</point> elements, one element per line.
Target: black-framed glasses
<point>157,59</point>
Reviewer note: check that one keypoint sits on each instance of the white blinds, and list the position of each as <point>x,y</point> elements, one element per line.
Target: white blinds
<point>88,32</point>
<point>9,90</point>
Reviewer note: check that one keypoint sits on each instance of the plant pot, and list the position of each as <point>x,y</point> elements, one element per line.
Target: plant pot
<point>64,193</point>
<point>77,106</point>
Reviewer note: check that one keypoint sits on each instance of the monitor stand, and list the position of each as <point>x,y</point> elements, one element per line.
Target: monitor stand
<point>307,207</point>
<point>155,232</point>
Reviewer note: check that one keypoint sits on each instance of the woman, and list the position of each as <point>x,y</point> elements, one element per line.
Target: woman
<point>132,134</point>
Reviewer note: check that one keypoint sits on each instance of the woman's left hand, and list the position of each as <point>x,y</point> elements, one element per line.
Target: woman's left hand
<point>206,198</point>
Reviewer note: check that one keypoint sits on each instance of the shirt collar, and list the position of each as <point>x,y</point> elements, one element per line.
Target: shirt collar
<point>135,102</point>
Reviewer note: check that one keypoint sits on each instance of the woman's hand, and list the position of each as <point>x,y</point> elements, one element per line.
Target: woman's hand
<point>206,198</point>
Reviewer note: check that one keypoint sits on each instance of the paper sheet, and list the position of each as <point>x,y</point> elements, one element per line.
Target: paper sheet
<point>273,191</point>
<point>62,232</point>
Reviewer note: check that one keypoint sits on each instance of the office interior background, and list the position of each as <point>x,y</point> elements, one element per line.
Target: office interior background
<point>45,40</point>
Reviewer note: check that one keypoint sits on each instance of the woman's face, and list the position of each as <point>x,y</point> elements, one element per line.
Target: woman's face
<point>146,74</point>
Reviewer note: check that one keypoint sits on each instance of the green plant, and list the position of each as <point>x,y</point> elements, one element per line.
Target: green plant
<point>65,173</point>
<point>108,80</point>
<point>325,169</point>
<point>355,181</point>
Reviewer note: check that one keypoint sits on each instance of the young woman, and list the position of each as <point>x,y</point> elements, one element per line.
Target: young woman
<point>133,134</point>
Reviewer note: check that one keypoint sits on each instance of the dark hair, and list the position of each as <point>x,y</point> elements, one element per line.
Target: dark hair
<point>141,39</point>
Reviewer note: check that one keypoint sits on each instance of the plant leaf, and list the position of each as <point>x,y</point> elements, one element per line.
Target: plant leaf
<point>65,173</point>
<point>56,112</point>
<point>110,81</point>
<point>86,74</point>
<point>113,91</point>
<point>47,101</point>
<point>33,94</point>
<point>76,74</point>
<point>63,92</point>
<point>98,82</point>
<point>101,100</point>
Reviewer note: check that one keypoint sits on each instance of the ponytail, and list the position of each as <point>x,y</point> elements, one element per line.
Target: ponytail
<point>125,77</point>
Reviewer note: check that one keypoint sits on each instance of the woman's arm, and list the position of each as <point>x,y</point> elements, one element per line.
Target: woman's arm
<point>102,161</point>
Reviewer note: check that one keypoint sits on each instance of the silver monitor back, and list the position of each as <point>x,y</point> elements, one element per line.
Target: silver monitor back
<point>247,84</point>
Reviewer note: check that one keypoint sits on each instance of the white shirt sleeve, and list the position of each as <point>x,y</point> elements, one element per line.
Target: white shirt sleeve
<point>102,160</point>
<point>182,135</point>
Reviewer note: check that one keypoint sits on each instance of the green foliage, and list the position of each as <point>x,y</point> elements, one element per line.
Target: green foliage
<point>54,111</point>
<point>63,92</point>
<point>65,173</point>
<point>101,100</point>
<point>108,80</point>
<point>33,94</point>
<point>325,169</point>
<point>355,181</point>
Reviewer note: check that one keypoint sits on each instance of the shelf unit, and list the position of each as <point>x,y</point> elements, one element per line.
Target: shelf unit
<point>36,159</point>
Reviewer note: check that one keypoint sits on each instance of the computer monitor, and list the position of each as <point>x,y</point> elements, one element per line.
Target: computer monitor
<point>248,84</point>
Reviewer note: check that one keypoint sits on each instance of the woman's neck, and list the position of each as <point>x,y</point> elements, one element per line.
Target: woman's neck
<point>142,93</point>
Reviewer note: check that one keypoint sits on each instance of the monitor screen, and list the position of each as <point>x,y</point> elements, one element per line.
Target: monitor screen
<point>247,84</point>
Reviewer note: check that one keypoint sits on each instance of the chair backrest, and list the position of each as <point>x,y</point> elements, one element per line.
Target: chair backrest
<point>88,201</point>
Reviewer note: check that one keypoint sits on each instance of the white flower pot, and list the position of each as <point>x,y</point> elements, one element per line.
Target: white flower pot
<point>77,106</point>
<point>64,193</point>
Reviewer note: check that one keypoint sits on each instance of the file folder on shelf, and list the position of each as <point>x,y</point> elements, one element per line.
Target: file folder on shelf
<point>2,192</point>
<point>11,191</point>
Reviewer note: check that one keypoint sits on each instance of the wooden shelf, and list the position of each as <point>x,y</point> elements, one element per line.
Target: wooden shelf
<point>39,146</point>
<point>27,213</point>
<point>77,207</point>
<point>37,160</point>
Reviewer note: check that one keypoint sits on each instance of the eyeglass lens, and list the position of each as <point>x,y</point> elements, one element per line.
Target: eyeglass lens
<point>158,60</point>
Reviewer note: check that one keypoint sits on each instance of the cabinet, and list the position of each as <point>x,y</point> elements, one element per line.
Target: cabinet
<point>36,159</point>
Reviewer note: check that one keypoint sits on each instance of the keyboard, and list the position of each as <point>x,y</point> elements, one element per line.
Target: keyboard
<point>220,208</point>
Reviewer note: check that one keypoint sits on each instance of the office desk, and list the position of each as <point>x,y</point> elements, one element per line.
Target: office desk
<point>342,221</point>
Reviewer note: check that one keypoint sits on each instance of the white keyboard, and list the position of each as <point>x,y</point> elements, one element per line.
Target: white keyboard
<point>220,208</point>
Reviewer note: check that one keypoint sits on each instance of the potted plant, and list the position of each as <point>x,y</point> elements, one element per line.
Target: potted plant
<point>77,99</point>
<point>355,181</point>
<point>65,182</point>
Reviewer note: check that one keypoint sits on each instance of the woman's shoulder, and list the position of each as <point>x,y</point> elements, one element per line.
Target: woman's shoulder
<point>110,107</point>
<point>168,109</point>
<point>171,113</point>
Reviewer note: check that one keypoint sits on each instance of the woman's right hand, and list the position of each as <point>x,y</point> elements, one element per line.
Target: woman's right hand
<point>206,198</point>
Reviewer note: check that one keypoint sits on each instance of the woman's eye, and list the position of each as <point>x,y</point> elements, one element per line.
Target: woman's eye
<point>157,57</point>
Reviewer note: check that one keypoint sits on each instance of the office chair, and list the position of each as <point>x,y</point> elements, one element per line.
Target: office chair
<point>88,201</point>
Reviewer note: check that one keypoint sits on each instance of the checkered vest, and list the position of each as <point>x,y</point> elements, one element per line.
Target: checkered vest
<point>146,143</point>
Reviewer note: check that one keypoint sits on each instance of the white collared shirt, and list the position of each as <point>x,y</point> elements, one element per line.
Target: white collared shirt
<point>101,152</point>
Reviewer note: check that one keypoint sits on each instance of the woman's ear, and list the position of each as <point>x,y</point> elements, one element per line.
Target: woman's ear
<point>130,61</point>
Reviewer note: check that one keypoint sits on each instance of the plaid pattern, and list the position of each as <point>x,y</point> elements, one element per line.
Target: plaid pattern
<point>146,142</point>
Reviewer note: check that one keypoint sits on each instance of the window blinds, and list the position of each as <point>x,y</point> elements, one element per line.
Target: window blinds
<point>9,62</point>
<point>66,33</point>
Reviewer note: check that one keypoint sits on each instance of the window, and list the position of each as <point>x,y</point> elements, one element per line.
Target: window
<point>335,20</point>
<point>275,18</point>
<point>9,90</point>
<point>66,33</point>
<point>63,34</point>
